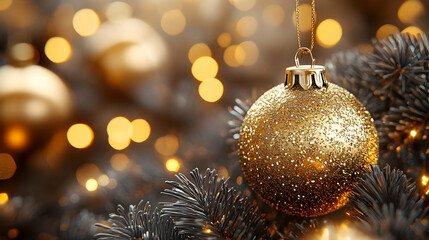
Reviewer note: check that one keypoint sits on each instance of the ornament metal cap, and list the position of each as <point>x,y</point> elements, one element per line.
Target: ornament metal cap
<point>305,75</point>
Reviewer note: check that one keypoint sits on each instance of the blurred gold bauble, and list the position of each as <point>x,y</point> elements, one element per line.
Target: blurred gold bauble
<point>126,51</point>
<point>33,102</point>
<point>302,150</point>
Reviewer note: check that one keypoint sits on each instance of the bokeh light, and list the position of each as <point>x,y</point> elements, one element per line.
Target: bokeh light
<point>211,90</point>
<point>5,4</point>
<point>167,145</point>
<point>412,30</point>
<point>91,185</point>
<point>4,198</point>
<point>173,22</point>
<point>230,53</point>
<point>119,161</point>
<point>410,11</point>
<point>247,53</point>
<point>247,26</point>
<point>22,51</point>
<point>16,137</point>
<point>413,133</point>
<point>7,166</point>
<point>224,39</point>
<point>198,50</point>
<point>13,233</point>
<point>141,130</point>
<point>243,5</point>
<point>204,67</point>
<point>425,180</point>
<point>58,49</point>
<point>172,165</point>
<point>86,22</point>
<point>119,145</point>
<point>274,15</point>
<point>118,10</point>
<point>304,17</point>
<point>119,130</point>
<point>87,171</point>
<point>328,33</point>
<point>103,180</point>
<point>386,30</point>
<point>80,135</point>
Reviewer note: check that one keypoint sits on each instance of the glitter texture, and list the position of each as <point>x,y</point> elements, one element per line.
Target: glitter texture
<point>302,150</point>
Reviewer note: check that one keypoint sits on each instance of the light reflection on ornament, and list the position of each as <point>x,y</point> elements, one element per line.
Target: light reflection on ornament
<point>386,30</point>
<point>91,185</point>
<point>172,165</point>
<point>86,22</point>
<point>211,90</point>
<point>118,10</point>
<point>22,52</point>
<point>80,135</point>
<point>410,11</point>
<point>16,137</point>
<point>127,51</point>
<point>224,39</point>
<point>141,130</point>
<point>247,26</point>
<point>304,20</point>
<point>198,50</point>
<point>4,198</point>
<point>7,166</point>
<point>167,145</point>
<point>204,68</point>
<point>173,22</point>
<point>58,49</point>
<point>328,33</point>
<point>413,30</point>
<point>274,15</point>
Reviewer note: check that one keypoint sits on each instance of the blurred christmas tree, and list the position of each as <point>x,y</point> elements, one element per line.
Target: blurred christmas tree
<point>101,102</point>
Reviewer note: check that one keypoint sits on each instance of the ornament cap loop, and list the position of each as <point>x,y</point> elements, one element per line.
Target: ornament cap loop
<point>305,75</point>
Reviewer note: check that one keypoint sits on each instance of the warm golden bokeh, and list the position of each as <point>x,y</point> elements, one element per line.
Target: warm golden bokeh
<point>425,180</point>
<point>91,185</point>
<point>230,55</point>
<point>173,22</point>
<point>211,90</point>
<point>103,180</point>
<point>386,30</point>
<point>5,4</point>
<point>247,53</point>
<point>119,130</point>
<point>13,233</point>
<point>16,137</point>
<point>4,198</point>
<point>413,30</point>
<point>328,33</point>
<point>247,26</point>
<point>7,166</point>
<point>118,10</point>
<point>413,133</point>
<point>274,15</point>
<point>80,135</point>
<point>119,161</point>
<point>119,145</point>
<point>198,50</point>
<point>86,22</point>
<point>243,5</point>
<point>22,51</point>
<point>167,145</point>
<point>224,39</point>
<point>87,171</point>
<point>58,49</point>
<point>410,11</point>
<point>304,17</point>
<point>141,130</point>
<point>172,165</point>
<point>204,67</point>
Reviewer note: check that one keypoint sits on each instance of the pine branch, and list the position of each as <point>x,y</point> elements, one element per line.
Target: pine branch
<point>206,208</point>
<point>386,204</point>
<point>139,223</point>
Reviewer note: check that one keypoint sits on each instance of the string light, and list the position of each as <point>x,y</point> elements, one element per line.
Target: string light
<point>413,133</point>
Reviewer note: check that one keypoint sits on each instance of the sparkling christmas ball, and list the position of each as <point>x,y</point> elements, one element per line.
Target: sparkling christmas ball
<point>302,150</point>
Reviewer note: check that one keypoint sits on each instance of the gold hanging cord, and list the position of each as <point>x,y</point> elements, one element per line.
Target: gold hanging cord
<point>313,22</point>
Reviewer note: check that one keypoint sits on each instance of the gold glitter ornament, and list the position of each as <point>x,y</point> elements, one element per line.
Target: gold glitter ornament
<point>304,144</point>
